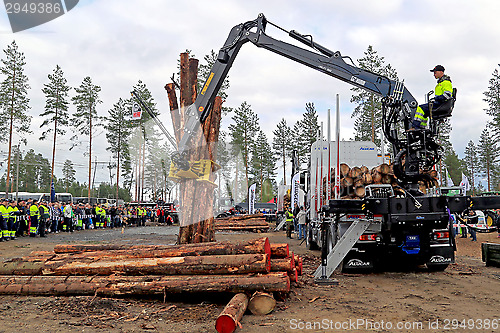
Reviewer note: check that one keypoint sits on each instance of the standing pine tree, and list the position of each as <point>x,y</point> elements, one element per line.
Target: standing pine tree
<point>243,133</point>
<point>68,174</point>
<point>145,129</point>
<point>368,110</point>
<point>85,119</point>
<point>471,162</point>
<point>305,132</point>
<point>488,154</point>
<point>281,144</point>
<point>263,163</point>
<point>14,100</point>
<point>56,110</point>
<point>224,160</point>
<point>117,133</point>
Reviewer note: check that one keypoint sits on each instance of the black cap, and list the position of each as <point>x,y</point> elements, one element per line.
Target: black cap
<point>438,68</point>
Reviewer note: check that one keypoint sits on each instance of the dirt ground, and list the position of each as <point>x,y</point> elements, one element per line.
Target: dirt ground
<point>465,297</point>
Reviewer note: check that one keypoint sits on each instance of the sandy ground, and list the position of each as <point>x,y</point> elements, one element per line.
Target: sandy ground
<point>464,298</point>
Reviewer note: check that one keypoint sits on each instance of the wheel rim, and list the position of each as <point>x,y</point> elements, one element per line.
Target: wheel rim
<point>489,221</point>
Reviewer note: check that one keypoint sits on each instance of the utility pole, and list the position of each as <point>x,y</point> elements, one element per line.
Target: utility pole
<point>17,172</point>
<point>93,178</point>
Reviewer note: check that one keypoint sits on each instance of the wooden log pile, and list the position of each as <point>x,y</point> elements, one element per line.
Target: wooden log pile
<point>253,223</point>
<point>353,181</point>
<point>117,270</point>
<point>260,303</point>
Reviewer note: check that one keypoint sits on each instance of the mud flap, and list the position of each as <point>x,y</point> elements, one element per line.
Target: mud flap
<point>441,256</point>
<point>357,261</point>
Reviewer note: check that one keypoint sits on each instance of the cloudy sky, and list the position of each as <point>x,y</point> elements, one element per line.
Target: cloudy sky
<point>118,42</point>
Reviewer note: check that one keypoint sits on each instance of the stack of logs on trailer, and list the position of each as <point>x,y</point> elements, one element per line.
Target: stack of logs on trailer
<point>116,270</point>
<point>354,180</point>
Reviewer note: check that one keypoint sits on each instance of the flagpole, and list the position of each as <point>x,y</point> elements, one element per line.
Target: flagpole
<point>337,139</point>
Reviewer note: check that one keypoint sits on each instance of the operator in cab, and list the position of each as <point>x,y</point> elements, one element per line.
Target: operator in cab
<point>443,92</point>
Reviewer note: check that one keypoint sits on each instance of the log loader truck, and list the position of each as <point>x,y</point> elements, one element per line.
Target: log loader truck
<point>413,225</point>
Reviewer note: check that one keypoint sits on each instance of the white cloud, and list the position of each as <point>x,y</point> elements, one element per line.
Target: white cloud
<point>117,43</point>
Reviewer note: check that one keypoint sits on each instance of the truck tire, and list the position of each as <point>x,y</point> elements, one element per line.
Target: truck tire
<point>310,244</point>
<point>437,268</point>
<point>491,218</point>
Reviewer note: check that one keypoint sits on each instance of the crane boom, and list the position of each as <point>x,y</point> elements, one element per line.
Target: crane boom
<point>399,105</point>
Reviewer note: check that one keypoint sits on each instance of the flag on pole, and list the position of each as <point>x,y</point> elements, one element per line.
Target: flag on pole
<point>251,199</point>
<point>136,111</point>
<point>465,183</point>
<point>52,192</point>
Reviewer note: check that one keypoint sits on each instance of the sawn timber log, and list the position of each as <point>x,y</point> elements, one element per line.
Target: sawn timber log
<point>212,265</point>
<point>142,285</point>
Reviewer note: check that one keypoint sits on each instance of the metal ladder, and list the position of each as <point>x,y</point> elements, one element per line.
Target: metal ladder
<point>340,250</point>
<point>281,224</point>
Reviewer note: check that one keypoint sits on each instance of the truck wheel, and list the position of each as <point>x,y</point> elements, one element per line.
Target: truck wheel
<point>437,268</point>
<point>310,244</point>
<point>491,218</point>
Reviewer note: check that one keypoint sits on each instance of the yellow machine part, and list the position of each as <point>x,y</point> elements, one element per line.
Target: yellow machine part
<point>199,170</point>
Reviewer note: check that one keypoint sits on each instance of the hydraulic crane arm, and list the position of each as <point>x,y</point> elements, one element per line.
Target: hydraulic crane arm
<point>321,59</point>
<point>398,103</point>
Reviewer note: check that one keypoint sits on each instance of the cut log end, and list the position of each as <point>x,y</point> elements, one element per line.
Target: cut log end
<point>261,303</point>
<point>225,324</point>
<point>232,314</point>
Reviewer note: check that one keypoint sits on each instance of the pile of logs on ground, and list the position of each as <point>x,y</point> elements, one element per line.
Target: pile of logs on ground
<point>354,180</point>
<point>260,303</point>
<point>117,270</point>
<point>253,223</point>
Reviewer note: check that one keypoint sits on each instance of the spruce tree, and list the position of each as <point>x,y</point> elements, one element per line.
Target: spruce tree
<point>14,101</point>
<point>243,133</point>
<point>492,97</point>
<point>263,162</point>
<point>69,173</point>
<point>488,155</point>
<point>282,144</point>
<point>305,132</point>
<point>471,162</point>
<point>56,110</point>
<point>85,119</point>
<point>368,110</point>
